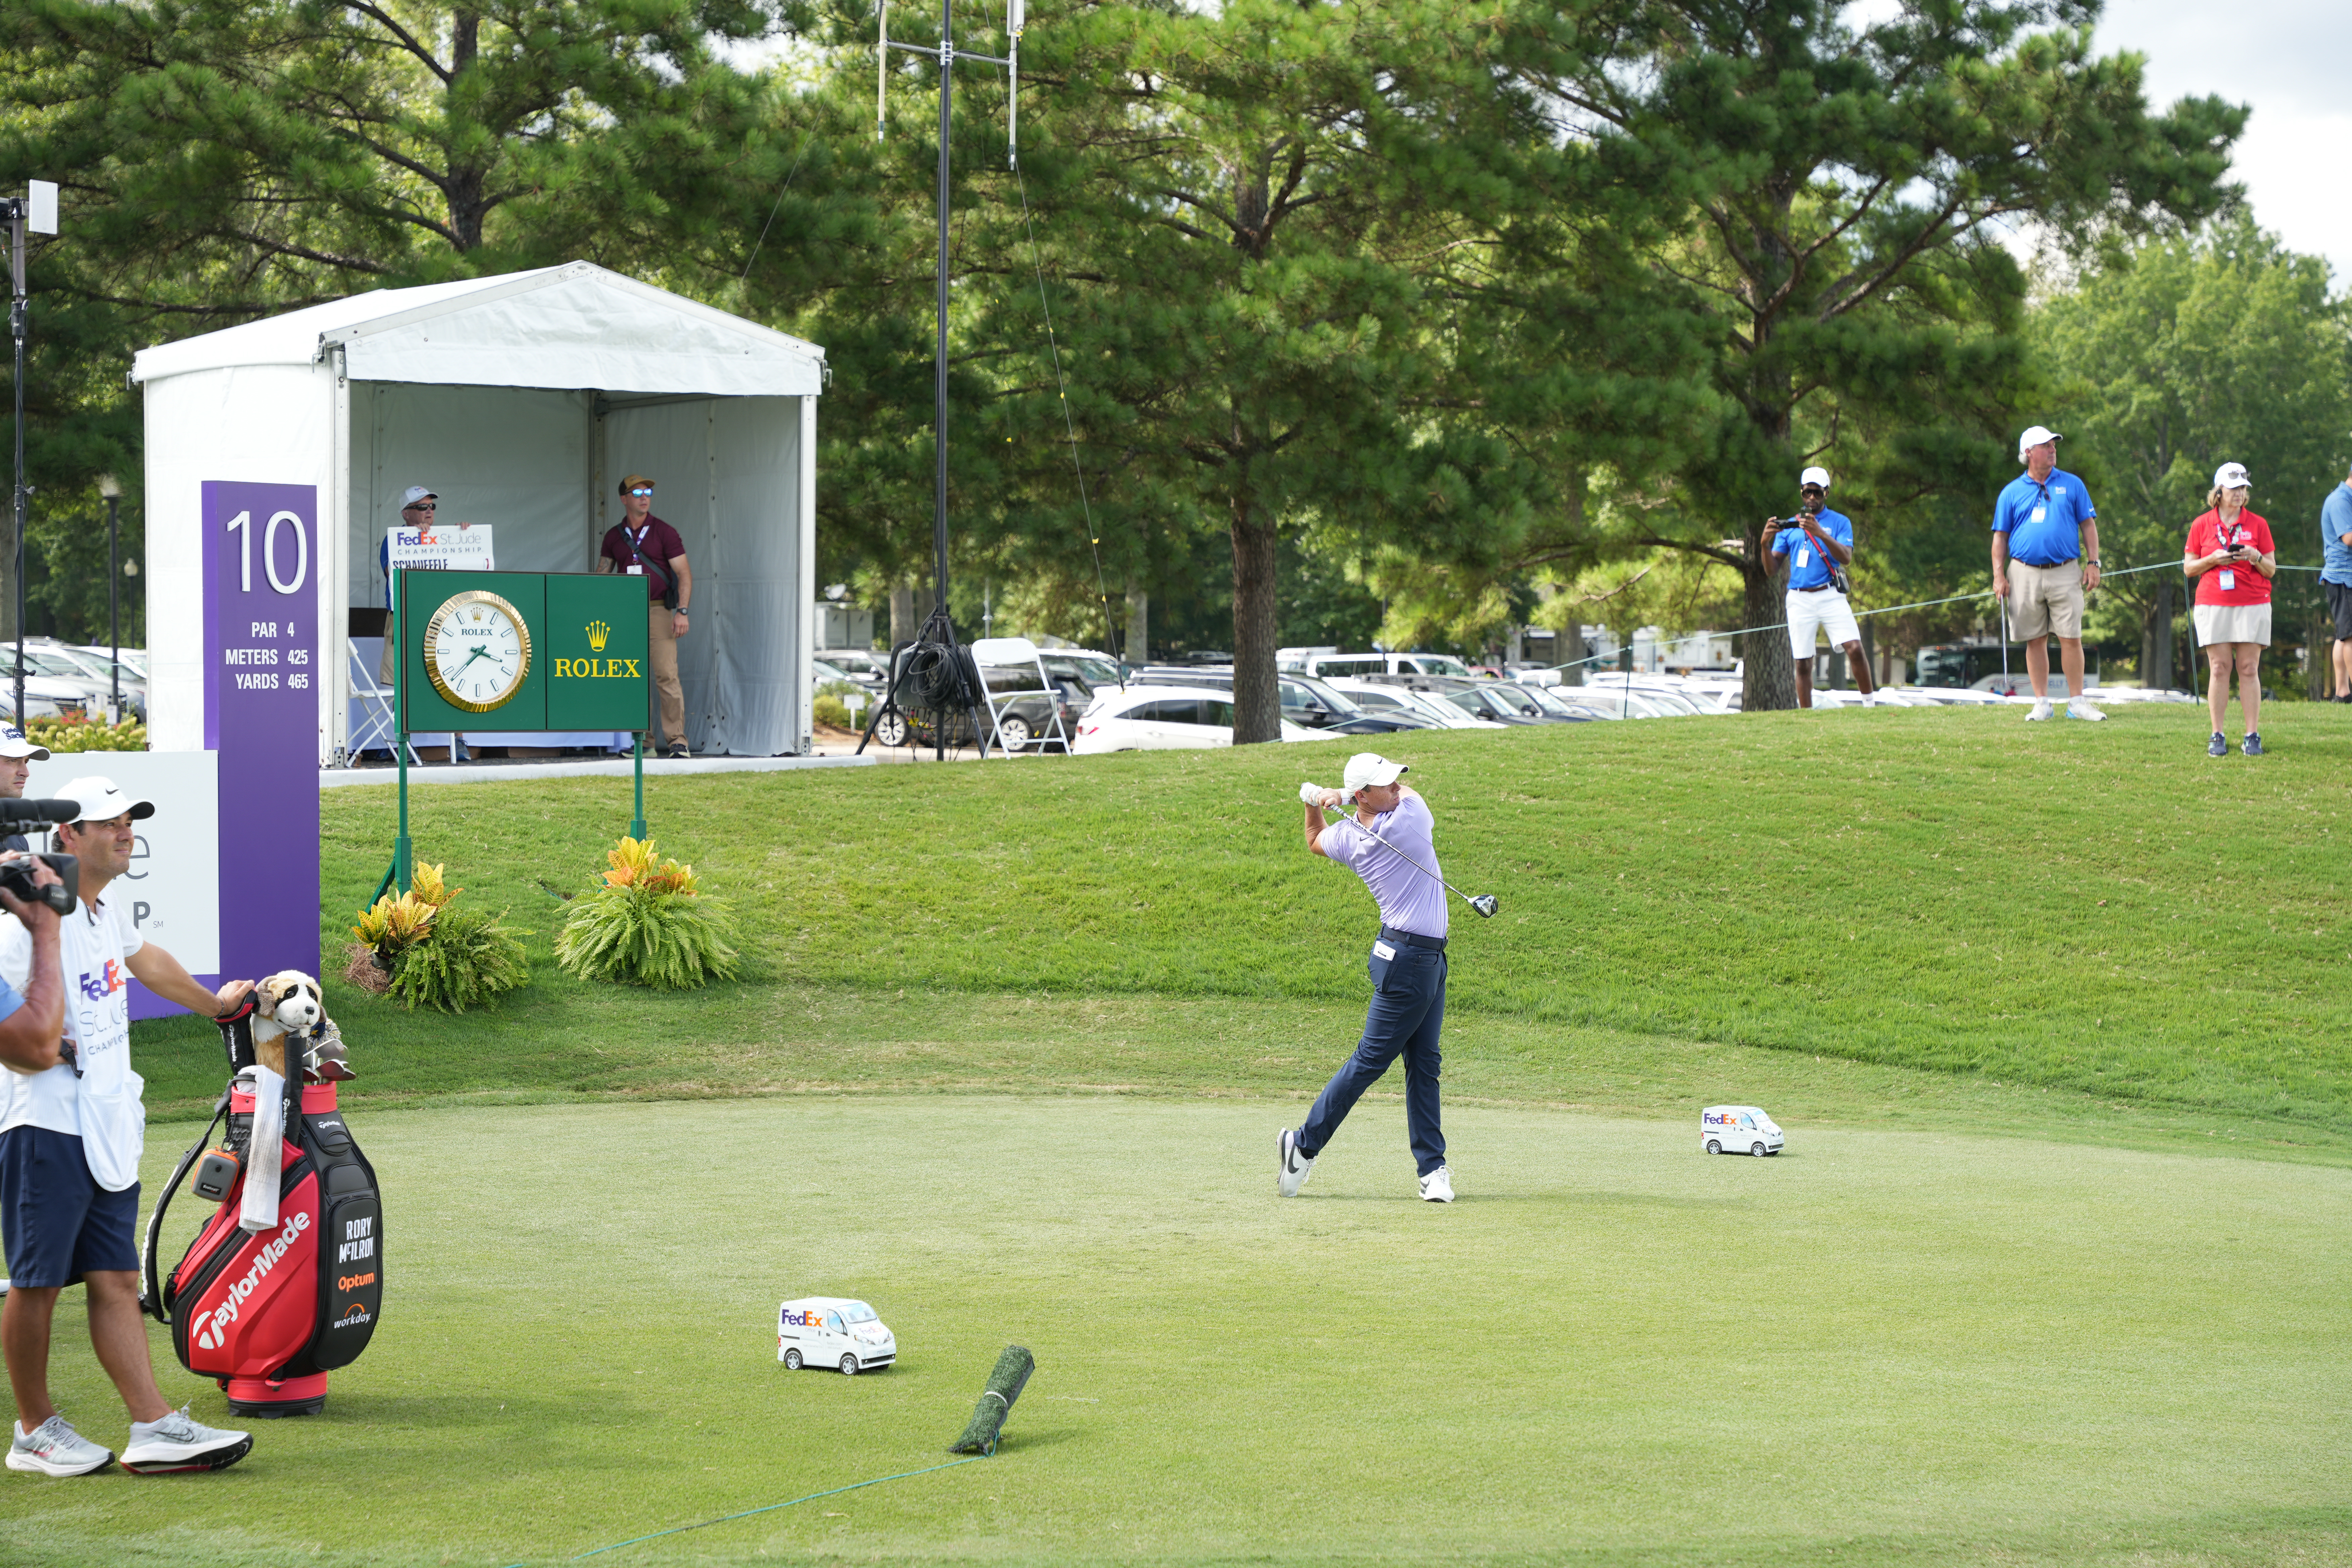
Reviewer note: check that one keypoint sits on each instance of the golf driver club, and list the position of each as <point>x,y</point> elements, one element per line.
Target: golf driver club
<point>1483,903</point>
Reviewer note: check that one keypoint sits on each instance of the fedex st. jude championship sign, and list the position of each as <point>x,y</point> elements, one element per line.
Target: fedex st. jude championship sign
<point>521,651</point>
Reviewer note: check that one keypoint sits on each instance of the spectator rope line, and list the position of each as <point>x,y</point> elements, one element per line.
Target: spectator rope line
<point>1917,605</point>
<point>770,1508</point>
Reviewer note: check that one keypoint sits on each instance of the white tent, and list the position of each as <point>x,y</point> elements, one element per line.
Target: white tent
<point>521,400</point>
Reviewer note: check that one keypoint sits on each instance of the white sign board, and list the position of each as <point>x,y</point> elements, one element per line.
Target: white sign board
<point>172,891</point>
<point>462,547</point>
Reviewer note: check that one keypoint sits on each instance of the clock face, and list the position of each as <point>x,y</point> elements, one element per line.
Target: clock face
<point>477,650</point>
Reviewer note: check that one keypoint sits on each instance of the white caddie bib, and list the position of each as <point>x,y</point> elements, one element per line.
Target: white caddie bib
<point>98,1020</point>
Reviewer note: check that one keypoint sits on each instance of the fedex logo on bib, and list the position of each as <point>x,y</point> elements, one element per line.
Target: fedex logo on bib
<point>104,983</point>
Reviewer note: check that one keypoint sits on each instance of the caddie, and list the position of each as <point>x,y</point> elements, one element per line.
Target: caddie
<point>72,1128</point>
<point>1408,966</point>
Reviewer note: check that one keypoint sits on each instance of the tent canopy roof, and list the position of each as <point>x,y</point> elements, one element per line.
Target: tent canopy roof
<point>568,327</point>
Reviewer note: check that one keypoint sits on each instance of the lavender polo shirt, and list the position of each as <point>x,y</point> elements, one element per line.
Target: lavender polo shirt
<point>1410,898</point>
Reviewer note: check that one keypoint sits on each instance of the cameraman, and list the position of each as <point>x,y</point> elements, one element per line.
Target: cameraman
<point>17,756</point>
<point>71,1132</point>
<point>1813,541</point>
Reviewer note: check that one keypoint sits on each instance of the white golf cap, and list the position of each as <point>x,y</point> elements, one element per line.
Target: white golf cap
<point>414,493</point>
<point>14,744</point>
<point>2034,436</point>
<point>2230,477</point>
<point>101,801</point>
<point>1368,768</point>
<point>1815,477</point>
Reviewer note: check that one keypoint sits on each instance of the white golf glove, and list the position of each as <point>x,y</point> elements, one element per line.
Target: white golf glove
<point>1311,794</point>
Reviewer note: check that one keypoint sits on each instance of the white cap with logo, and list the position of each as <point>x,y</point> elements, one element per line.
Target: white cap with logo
<point>101,801</point>
<point>414,493</point>
<point>1370,768</point>
<point>14,744</point>
<point>2034,436</point>
<point>1815,477</point>
<point>2230,477</point>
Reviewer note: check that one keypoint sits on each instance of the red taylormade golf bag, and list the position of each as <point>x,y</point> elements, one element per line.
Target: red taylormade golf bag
<point>267,1316</point>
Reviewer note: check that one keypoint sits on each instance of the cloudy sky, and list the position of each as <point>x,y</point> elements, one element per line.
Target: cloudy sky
<point>2291,60</point>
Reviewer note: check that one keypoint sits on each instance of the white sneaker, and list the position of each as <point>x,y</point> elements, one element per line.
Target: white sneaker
<point>2040,710</point>
<point>180,1443</point>
<point>1294,1167</point>
<point>1437,1188</point>
<point>2080,709</point>
<point>54,1448</point>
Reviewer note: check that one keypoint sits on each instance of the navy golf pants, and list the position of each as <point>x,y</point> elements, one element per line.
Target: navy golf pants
<point>1408,1008</point>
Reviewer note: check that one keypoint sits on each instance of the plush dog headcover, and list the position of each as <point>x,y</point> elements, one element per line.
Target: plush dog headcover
<point>288,1003</point>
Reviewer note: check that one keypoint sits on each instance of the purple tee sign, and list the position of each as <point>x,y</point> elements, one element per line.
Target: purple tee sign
<point>261,715</point>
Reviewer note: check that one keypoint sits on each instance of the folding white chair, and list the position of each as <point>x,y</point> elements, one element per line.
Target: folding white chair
<point>374,721</point>
<point>1006,666</point>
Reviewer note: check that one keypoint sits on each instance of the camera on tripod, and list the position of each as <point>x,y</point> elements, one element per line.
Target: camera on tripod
<point>16,876</point>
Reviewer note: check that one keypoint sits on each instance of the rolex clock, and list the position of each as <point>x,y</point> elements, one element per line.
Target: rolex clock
<point>477,650</point>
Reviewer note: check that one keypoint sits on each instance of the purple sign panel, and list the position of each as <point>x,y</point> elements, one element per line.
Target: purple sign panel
<point>261,715</point>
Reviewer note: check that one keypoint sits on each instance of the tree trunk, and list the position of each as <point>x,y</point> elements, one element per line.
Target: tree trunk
<point>1570,652</point>
<point>1139,627</point>
<point>1769,681</point>
<point>1257,698</point>
<point>910,607</point>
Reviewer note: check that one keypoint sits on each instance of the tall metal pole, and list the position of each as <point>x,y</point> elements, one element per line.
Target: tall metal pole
<point>940,365</point>
<point>115,593</point>
<point>17,323</point>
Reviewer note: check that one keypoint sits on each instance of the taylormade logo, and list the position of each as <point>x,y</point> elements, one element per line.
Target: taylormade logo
<point>213,1331</point>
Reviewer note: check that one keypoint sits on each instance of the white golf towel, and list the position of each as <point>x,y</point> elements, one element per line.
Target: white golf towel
<point>264,1151</point>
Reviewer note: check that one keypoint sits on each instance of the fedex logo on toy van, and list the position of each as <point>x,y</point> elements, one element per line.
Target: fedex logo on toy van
<point>803,1319</point>
<point>1709,1119</point>
<point>212,1330</point>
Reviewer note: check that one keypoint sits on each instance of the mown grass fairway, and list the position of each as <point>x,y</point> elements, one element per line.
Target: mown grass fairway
<point>1891,1348</point>
<point>2053,1272</point>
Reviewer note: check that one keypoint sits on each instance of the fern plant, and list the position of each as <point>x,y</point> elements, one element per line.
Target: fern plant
<point>647,923</point>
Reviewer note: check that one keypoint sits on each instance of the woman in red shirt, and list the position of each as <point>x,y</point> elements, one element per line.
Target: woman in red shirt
<point>2232,559</point>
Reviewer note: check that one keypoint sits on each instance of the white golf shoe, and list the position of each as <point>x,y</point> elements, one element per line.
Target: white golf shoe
<point>2079,709</point>
<point>1437,1188</point>
<point>178,1442</point>
<point>2040,710</point>
<point>54,1448</point>
<point>1294,1167</point>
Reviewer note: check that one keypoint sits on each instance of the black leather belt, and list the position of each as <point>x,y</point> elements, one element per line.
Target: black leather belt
<point>1412,939</point>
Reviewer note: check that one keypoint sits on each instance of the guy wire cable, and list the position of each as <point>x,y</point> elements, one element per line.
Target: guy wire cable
<point>806,137</point>
<point>1094,542</point>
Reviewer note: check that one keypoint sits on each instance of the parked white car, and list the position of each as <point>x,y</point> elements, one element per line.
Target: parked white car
<point>1374,698</point>
<point>1738,1128</point>
<point>833,1332</point>
<point>1166,719</point>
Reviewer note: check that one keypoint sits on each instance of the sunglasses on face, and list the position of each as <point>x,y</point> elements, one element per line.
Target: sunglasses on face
<point>643,491</point>
<point>1812,490</point>
<point>421,506</point>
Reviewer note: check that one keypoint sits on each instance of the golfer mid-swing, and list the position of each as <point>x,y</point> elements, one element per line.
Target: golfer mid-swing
<point>1408,965</point>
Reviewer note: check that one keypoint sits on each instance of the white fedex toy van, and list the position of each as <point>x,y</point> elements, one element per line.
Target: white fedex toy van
<point>833,1330</point>
<point>1741,1128</point>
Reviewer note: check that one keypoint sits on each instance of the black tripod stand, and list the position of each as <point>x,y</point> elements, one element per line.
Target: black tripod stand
<point>941,680</point>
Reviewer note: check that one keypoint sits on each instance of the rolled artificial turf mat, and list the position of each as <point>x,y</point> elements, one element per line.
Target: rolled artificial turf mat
<point>1005,1386</point>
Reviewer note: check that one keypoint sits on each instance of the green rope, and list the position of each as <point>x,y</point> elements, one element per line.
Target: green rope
<point>724,1518</point>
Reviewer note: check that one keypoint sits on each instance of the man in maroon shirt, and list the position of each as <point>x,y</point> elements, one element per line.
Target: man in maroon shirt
<point>642,545</point>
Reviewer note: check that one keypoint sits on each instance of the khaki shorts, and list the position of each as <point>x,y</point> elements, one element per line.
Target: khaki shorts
<point>2045,601</point>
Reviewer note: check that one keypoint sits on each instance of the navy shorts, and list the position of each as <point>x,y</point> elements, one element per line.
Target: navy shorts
<point>58,1223</point>
<point>2339,608</point>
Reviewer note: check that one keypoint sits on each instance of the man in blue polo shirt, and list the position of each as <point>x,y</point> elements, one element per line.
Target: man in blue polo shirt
<point>2336,571</point>
<point>1812,542</point>
<point>2045,544</point>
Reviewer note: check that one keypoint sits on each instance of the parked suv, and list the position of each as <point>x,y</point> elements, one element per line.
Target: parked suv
<point>1314,703</point>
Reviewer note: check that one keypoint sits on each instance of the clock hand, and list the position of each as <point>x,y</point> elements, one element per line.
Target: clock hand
<point>477,653</point>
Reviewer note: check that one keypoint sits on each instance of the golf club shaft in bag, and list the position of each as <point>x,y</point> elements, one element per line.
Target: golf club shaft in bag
<point>1483,903</point>
<point>269,1315</point>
